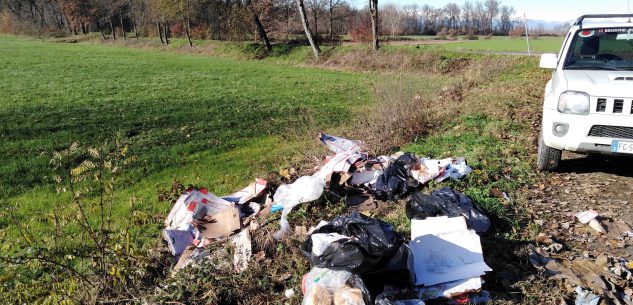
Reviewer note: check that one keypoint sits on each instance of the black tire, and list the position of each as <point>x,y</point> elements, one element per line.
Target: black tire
<point>548,158</point>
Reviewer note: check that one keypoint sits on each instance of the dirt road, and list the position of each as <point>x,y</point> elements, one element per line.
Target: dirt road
<point>601,183</point>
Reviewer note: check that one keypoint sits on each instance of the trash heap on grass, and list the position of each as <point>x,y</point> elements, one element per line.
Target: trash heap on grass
<point>355,259</point>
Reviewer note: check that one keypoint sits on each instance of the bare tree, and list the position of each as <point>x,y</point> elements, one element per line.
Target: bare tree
<point>332,6</point>
<point>411,19</point>
<point>392,19</point>
<point>505,19</point>
<point>316,8</point>
<point>260,27</point>
<point>492,11</point>
<point>306,27</point>
<point>468,13</point>
<point>480,17</point>
<point>427,14</point>
<point>373,10</point>
<point>452,12</point>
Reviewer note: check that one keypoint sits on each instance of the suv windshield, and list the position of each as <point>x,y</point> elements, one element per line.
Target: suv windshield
<point>601,49</point>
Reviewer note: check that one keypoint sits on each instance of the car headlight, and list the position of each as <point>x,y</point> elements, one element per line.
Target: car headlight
<point>574,102</point>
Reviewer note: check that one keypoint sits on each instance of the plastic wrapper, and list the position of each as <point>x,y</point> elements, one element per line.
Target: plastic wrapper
<point>339,145</point>
<point>322,285</point>
<point>447,202</point>
<point>327,278</point>
<point>396,180</point>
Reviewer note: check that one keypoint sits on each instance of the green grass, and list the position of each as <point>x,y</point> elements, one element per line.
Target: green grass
<point>215,122</point>
<point>505,44</point>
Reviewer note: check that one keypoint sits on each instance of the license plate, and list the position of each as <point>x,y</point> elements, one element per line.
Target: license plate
<point>622,147</point>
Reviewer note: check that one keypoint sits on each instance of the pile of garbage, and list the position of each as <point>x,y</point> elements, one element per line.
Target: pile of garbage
<point>355,259</point>
<point>385,177</point>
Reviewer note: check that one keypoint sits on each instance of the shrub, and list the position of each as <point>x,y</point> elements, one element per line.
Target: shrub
<point>201,32</point>
<point>442,34</point>
<point>517,31</point>
<point>471,36</point>
<point>177,29</point>
<point>452,34</point>
<point>361,31</point>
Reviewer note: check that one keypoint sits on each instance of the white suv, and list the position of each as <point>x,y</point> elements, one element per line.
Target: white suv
<point>588,105</point>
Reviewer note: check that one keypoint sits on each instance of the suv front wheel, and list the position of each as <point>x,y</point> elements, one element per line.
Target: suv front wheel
<point>548,158</point>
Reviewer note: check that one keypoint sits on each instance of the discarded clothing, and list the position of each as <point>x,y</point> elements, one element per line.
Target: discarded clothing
<point>447,202</point>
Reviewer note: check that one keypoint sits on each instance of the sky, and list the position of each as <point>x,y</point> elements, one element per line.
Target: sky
<point>548,10</point>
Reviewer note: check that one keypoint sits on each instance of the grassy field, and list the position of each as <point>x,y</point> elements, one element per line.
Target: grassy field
<point>220,121</point>
<point>498,44</point>
<point>206,121</point>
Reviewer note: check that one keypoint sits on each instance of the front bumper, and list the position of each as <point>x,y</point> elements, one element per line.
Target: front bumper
<point>577,137</point>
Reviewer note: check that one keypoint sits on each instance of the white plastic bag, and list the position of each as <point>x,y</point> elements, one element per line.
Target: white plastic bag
<point>304,189</point>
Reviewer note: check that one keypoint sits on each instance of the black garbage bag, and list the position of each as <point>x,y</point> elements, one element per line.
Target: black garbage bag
<point>374,251</point>
<point>447,202</point>
<point>396,181</point>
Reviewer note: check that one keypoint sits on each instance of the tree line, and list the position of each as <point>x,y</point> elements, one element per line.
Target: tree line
<point>265,20</point>
<point>471,17</point>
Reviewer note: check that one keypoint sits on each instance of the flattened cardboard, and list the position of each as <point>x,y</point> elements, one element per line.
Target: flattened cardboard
<point>445,251</point>
<point>221,224</point>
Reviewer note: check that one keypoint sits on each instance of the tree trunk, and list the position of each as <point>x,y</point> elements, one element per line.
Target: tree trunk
<point>101,30</point>
<point>112,29</point>
<point>186,24</point>
<point>373,8</point>
<point>122,27</point>
<point>306,28</point>
<point>135,28</point>
<point>261,31</point>
<point>166,32</point>
<point>160,32</point>
<point>331,16</point>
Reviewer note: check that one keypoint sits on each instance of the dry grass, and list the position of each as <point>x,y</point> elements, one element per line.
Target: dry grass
<point>408,104</point>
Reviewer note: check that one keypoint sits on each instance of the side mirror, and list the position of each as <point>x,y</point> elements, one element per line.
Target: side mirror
<point>549,61</point>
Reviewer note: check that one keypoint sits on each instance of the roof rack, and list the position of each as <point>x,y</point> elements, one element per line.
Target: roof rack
<point>602,16</point>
